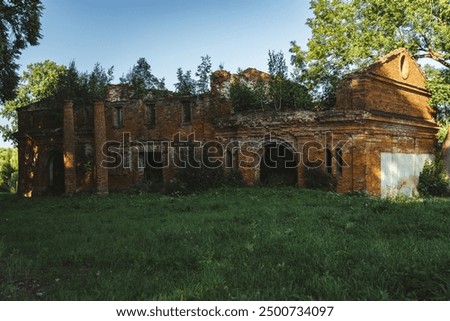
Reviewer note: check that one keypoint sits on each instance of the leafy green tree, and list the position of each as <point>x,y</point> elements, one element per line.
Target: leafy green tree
<point>261,93</point>
<point>97,80</point>
<point>19,27</point>
<point>141,79</point>
<point>278,71</point>
<point>9,166</point>
<point>39,81</point>
<point>298,61</point>
<point>185,85</point>
<point>439,85</point>
<point>204,73</point>
<point>48,79</point>
<point>298,96</point>
<point>285,92</point>
<point>243,97</point>
<point>349,34</point>
<point>84,87</point>
<point>277,92</point>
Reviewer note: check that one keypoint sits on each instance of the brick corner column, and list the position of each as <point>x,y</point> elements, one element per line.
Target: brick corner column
<point>446,152</point>
<point>70,180</point>
<point>100,139</point>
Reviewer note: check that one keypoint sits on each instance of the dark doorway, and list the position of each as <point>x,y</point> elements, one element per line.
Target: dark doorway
<point>56,173</point>
<point>278,165</point>
<point>153,171</point>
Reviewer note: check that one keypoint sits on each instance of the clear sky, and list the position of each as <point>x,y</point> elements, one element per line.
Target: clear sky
<point>168,33</point>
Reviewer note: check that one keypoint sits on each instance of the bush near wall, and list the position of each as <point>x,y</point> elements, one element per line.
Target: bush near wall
<point>8,169</point>
<point>283,94</point>
<point>433,180</point>
<point>316,178</point>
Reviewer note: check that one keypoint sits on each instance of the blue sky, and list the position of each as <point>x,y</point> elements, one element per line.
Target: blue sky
<point>168,33</point>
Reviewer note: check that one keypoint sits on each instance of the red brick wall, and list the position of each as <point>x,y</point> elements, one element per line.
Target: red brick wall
<point>379,109</point>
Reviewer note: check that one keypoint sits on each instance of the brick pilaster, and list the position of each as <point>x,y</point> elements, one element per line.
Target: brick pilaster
<point>70,180</point>
<point>100,139</point>
<point>446,152</point>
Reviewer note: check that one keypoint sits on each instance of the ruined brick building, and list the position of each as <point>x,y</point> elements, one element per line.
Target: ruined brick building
<point>376,139</point>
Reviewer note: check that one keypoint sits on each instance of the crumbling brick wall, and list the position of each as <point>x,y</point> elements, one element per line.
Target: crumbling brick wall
<point>381,109</point>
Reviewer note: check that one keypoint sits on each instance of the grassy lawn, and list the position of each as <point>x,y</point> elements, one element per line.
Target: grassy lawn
<point>224,244</point>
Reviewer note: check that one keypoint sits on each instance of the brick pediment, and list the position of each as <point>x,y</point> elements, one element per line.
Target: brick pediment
<point>400,67</point>
<point>393,86</point>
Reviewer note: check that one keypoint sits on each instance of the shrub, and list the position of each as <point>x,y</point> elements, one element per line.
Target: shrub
<point>277,94</point>
<point>243,97</point>
<point>233,178</point>
<point>191,179</point>
<point>433,180</point>
<point>316,178</point>
<point>144,186</point>
<point>9,177</point>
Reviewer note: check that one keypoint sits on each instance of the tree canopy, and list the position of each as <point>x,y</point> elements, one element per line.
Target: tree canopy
<point>185,85</point>
<point>355,32</point>
<point>47,79</point>
<point>141,79</point>
<point>38,81</point>
<point>276,92</point>
<point>349,34</point>
<point>19,27</point>
<point>204,73</point>
<point>9,165</point>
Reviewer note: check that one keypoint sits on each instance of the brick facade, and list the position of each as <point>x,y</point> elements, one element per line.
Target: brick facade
<point>382,115</point>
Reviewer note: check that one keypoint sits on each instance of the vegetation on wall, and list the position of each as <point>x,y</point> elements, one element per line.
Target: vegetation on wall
<point>279,92</point>
<point>249,96</point>
<point>204,74</point>
<point>186,85</point>
<point>142,81</point>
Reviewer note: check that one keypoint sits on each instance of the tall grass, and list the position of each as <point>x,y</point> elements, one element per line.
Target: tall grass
<point>225,244</point>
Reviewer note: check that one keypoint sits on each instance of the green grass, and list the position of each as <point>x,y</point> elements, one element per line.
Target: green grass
<point>224,244</point>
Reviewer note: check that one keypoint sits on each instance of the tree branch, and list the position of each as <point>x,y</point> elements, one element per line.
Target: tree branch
<point>436,56</point>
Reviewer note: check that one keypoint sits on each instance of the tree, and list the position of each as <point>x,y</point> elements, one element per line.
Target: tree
<point>204,74</point>
<point>39,81</point>
<point>47,79</point>
<point>243,96</point>
<point>439,85</point>
<point>141,79</point>
<point>278,71</point>
<point>349,34</point>
<point>9,165</point>
<point>185,85</point>
<point>84,87</point>
<point>97,80</point>
<point>19,27</point>
<point>286,92</point>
